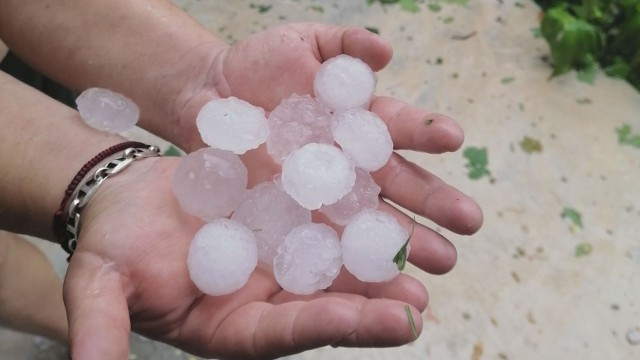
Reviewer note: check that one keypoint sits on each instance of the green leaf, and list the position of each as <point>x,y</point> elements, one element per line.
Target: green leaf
<point>507,80</point>
<point>172,151</point>
<point>583,249</point>
<point>573,215</point>
<point>588,73</point>
<point>625,137</point>
<point>434,7</point>
<point>477,161</point>
<point>573,42</point>
<point>530,145</point>
<point>401,257</point>
<point>412,324</point>
<point>373,30</point>
<point>409,5</point>
<point>261,8</point>
<point>619,68</point>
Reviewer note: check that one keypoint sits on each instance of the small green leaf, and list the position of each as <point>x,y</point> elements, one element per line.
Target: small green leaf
<point>530,145</point>
<point>573,215</point>
<point>434,7</point>
<point>583,249</point>
<point>477,162</point>
<point>625,137</point>
<point>401,257</point>
<point>409,5</point>
<point>508,80</point>
<point>373,30</point>
<point>412,324</point>
<point>316,8</point>
<point>448,20</point>
<point>588,73</point>
<point>261,8</point>
<point>172,151</point>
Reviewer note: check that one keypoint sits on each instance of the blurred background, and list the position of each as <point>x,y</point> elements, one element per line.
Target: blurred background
<point>554,163</point>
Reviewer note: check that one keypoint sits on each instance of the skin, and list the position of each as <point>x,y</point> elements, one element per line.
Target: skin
<point>129,271</point>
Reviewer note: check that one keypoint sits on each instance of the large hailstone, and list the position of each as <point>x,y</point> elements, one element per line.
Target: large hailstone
<point>295,122</point>
<point>106,110</point>
<point>308,260</point>
<point>221,257</point>
<point>210,183</point>
<point>363,137</point>
<point>370,241</point>
<point>271,214</point>
<point>232,124</point>
<point>344,82</point>
<point>363,196</point>
<point>317,174</point>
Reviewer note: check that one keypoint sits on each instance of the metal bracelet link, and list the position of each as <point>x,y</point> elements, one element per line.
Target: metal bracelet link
<point>85,192</point>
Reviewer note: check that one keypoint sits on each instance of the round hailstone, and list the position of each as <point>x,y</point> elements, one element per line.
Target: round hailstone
<point>106,110</point>
<point>363,196</point>
<point>344,82</point>
<point>309,259</point>
<point>297,121</point>
<point>370,241</point>
<point>317,174</point>
<point>210,183</point>
<point>222,256</point>
<point>363,137</point>
<point>271,214</point>
<point>232,124</point>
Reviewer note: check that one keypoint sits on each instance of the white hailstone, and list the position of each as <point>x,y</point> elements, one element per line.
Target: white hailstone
<point>210,183</point>
<point>633,336</point>
<point>344,82</point>
<point>271,214</point>
<point>370,241</point>
<point>106,110</point>
<point>297,121</point>
<point>222,256</point>
<point>363,137</point>
<point>317,174</point>
<point>363,196</point>
<point>308,260</point>
<point>232,124</point>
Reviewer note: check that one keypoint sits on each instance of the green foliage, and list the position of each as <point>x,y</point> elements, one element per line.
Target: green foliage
<point>589,34</point>
<point>477,161</point>
<point>172,151</point>
<point>401,257</point>
<point>625,137</point>
<point>583,249</point>
<point>573,215</point>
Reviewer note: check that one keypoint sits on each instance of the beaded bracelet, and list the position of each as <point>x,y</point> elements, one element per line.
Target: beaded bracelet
<point>66,221</point>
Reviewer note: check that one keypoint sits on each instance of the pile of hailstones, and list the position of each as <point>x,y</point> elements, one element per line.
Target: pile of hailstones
<point>271,223</point>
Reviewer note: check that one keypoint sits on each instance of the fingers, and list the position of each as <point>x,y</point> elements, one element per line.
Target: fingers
<point>356,42</point>
<point>417,129</point>
<point>97,310</point>
<point>268,331</point>
<point>430,251</point>
<point>421,192</point>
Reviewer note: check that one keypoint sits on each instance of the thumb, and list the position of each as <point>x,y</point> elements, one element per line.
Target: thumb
<point>356,42</point>
<point>97,311</point>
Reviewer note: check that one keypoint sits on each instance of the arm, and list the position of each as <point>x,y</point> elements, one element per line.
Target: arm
<point>149,50</point>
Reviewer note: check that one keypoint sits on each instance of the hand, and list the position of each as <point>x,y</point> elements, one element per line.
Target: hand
<point>269,66</point>
<point>129,273</point>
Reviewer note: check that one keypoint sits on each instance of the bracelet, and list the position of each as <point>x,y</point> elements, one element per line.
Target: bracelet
<point>67,223</point>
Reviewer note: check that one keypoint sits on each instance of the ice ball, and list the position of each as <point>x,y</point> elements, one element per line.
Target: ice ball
<point>232,124</point>
<point>317,174</point>
<point>106,110</point>
<point>210,183</point>
<point>363,196</point>
<point>363,137</point>
<point>309,259</point>
<point>344,82</point>
<point>222,256</point>
<point>297,121</point>
<point>271,214</point>
<point>370,241</point>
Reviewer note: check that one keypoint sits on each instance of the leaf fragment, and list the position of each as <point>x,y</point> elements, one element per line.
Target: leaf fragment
<point>573,215</point>
<point>401,257</point>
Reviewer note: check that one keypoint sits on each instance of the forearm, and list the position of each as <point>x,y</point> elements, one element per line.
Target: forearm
<point>149,50</point>
<point>42,145</point>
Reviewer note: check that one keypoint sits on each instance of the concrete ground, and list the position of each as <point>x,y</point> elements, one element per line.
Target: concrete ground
<point>532,284</point>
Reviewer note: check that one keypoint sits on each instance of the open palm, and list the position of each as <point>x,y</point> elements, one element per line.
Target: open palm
<point>130,267</point>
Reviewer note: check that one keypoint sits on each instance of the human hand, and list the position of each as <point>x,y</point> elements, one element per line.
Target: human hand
<point>271,65</point>
<point>129,272</point>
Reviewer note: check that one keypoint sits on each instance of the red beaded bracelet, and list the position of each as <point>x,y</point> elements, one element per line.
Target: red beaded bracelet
<point>60,216</point>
